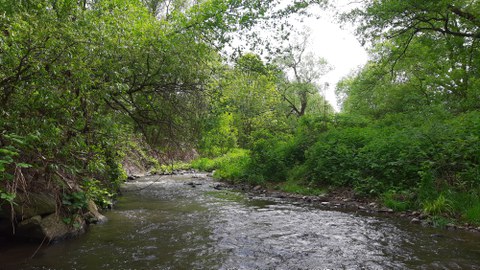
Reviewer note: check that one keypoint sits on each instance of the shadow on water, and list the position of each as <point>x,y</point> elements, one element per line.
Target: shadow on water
<point>168,223</point>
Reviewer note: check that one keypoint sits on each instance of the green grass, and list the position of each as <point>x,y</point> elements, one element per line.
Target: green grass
<point>298,188</point>
<point>439,206</point>
<point>466,205</point>
<point>398,201</point>
<point>440,221</point>
<point>472,214</point>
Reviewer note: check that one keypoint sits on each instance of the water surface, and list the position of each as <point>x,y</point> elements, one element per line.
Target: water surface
<point>162,222</point>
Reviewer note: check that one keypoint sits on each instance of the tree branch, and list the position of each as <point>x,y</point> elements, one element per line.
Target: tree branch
<point>466,15</point>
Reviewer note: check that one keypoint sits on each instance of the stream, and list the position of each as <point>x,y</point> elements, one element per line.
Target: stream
<point>183,222</point>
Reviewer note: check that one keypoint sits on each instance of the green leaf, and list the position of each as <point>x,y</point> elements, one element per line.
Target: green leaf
<point>7,152</point>
<point>9,197</point>
<point>67,220</point>
<point>24,165</point>
<point>7,160</point>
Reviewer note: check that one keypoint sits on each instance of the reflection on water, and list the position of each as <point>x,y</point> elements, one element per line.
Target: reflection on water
<point>162,223</point>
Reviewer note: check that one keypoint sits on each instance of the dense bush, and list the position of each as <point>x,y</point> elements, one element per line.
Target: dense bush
<point>271,158</point>
<point>334,158</point>
<point>232,166</point>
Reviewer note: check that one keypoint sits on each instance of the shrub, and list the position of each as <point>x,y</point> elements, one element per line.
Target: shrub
<point>333,160</point>
<point>204,164</point>
<point>440,205</point>
<point>472,214</point>
<point>99,194</point>
<point>273,156</point>
<point>233,165</point>
<point>398,201</point>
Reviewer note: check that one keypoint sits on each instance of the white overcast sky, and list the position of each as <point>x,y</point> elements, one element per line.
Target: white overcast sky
<point>337,44</point>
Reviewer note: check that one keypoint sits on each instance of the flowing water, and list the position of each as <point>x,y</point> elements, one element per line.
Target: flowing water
<point>162,222</point>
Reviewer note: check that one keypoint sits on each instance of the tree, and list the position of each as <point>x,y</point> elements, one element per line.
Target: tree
<point>442,18</point>
<point>299,83</point>
<point>163,9</point>
<point>442,33</point>
<point>78,78</point>
<point>247,91</point>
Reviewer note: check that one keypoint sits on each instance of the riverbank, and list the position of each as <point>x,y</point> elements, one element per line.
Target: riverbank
<point>430,200</point>
<point>342,199</point>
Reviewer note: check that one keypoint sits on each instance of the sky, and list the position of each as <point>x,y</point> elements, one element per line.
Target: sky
<point>337,44</point>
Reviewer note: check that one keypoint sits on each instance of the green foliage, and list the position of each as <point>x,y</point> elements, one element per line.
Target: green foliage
<point>448,18</point>
<point>75,201</point>
<point>465,204</point>
<point>136,154</point>
<point>270,157</point>
<point>73,220</point>
<point>472,214</point>
<point>440,221</point>
<point>204,164</point>
<point>55,79</point>
<point>395,153</point>
<point>409,132</point>
<point>438,206</point>
<point>334,159</point>
<point>10,166</point>
<point>85,78</point>
<point>245,100</point>
<point>298,84</point>
<point>406,160</point>
<point>170,168</point>
<point>426,185</point>
<point>398,201</point>
<point>100,195</point>
<point>7,197</point>
<point>300,188</point>
<point>7,156</point>
<point>82,86</point>
<point>444,34</point>
<point>221,136</point>
<point>234,166</point>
